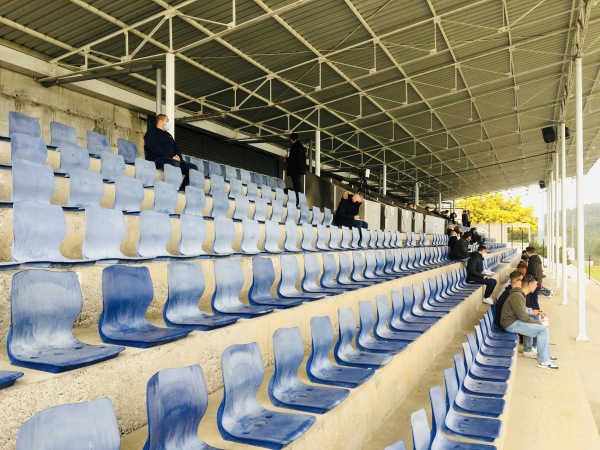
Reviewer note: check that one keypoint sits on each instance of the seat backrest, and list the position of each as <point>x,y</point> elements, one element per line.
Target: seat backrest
<point>266,193</point>
<point>451,385</point>
<point>235,187</point>
<point>327,216</point>
<point>155,233</point>
<point>97,143</point>
<point>242,207</point>
<point>229,280</point>
<point>20,123</point>
<point>111,166</point>
<point>185,288</point>
<point>193,235</point>
<point>330,267</point>
<point>280,182</point>
<point>383,313</point>
<point>201,164</point>
<point>292,213</point>
<point>272,236</point>
<point>129,193</point>
<point>214,168</point>
<point>176,401</point>
<point>421,433</point>
<point>30,148</point>
<point>251,190</point>
<point>322,337</point>
<point>356,237</point>
<point>263,277</point>
<point>261,209</point>
<point>173,175</point>
<point>231,173</point>
<point>276,211</point>
<point>128,150</point>
<point>145,171</point>
<point>68,426</point>
<point>288,353</point>
<point>86,188</point>
<point>345,266</point>
<point>250,236</point>
<point>73,157</point>
<point>195,201</point>
<point>308,236</point>
<point>220,204</point>
<point>258,179</point>
<point>280,195</point>
<point>32,181</point>
<point>301,198</point>
<point>304,214</point>
<point>291,196</point>
<point>438,409</point>
<point>347,328</point>
<point>197,179</point>
<point>104,231</point>
<point>335,236</point>
<point>366,320</point>
<point>62,134</point>
<point>245,176</point>
<point>224,235</point>
<point>322,237</point>
<point>38,231</point>
<point>291,237</point>
<point>346,237</point>
<point>290,272</point>
<point>165,197</point>
<point>217,183</point>
<point>358,264</point>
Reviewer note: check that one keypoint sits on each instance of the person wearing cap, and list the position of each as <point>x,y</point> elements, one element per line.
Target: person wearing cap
<point>296,164</point>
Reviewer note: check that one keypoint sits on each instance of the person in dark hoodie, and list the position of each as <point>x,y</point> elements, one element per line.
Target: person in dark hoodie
<point>475,274</point>
<point>346,214</point>
<point>461,249</point>
<point>296,164</point>
<point>535,268</point>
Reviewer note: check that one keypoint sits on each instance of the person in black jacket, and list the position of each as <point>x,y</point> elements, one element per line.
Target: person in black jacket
<point>461,249</point>
<point>346,214</point>
<point>475,274</point>
<point>160,147</point>
<point>514,282</point>
<point>296,164</point>
<point>535,267</point>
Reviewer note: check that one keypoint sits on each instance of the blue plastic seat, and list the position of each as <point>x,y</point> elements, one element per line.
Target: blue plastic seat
<point>260,209</point>
<point>267,194</point>
<point>195,201</point>
<point>292,213</point>
<point>111,166</point>
<point>72,426</point>
<point>327,216</point>
<point>224,236</point>
<point>277,211</point>
<point>365,341</point>
<point>418,309</point>
<point>258,179</point>
<point>32,181</point>
<point>220,204</point>
<point>311,282</point>
<point>240,417</point>
<point>372,237</point>
<point>186,287</point>
<point>347,355</point>
<point>472,386</point>
<point>230,173</point>
<point>355,233</point>
<point>280,183</point>
<point>251,189</point>
<point>97,143</point>
<point>214,168</point>
<point>176,401</point>
<point>290,273</point>
<point>245,176</point>
<point>495,351</point>
<point>193,235</point>
<point>126,295</point>
<point>235,187</point>
<point>329,279</point>
<point>470,404</point>
<point>304,214</point>
<point>396,446</point>
<point>229,280</point>
<point>241,207</point>
<point>129,194</point>
<point>217,183</point>
<point>272,237</point>
<point>128,150</point>
<point>317,216</point>
<point>322,237</point>
<point>484,336</point>
<point>44,306</point>
<point>291,237</point>
<point>155,233</point>
<point>358,270</point>
<point>263,279</point>
<point>73,157</point>
<point>62,134</point>
<point>165,197</point>
<point>411,310</point>
<point>8,378</point>
<point>402,319</point>
<point>308,236</point>
<point>86,188</point>
<point>345,271</point>
<point>173,175</point>
<point>197,179</point>
<point>20,123</point>
<point>320,369</point>
<point>145,171</point>
<point>250,237</point>
<point>30,148</point>
<point>201,164</point>
<point>335,237</point>
<point>482,366</point>
<point>301,198</point>
<point>381,330</point>
<point>285,388</point>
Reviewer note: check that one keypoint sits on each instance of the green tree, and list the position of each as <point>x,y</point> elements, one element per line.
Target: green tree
<point>492,208</point>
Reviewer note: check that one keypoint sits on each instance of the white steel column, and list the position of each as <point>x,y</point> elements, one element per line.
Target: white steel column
<point>550,249</point>
<point>384,180</point>
<point>318,153</point>
<point>563,210</point>
<point>440,201</point>
<point>417,193</point>
<point>556,223</point>
<point>582,336</point>
<point>170,90</point>
<point>158,91</point>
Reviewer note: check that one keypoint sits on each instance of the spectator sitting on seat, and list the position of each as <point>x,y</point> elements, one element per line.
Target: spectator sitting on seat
<point>296,165</point>
<point>515,319</point>
<point>452,241</point>
<point>160,147</point>
<point>458,229</point>
<point>449,230</point>
<point>536,269</point>
<point>475,236</point>
<point>452,217</point>
<point>346,213</point>
<point>476,275</point>
<point>514,281</point>
<point>461,249</point>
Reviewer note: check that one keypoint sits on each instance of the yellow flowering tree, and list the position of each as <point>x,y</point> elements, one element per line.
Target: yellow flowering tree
<point>492,208</point>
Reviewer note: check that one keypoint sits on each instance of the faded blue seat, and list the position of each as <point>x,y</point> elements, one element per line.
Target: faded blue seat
<point>277,211</point>
<point>202,165</point>
<point>327,216</point>
<point>290,273</point>
<point>322,237</point>
<point>263,279</point>
<point>44,306</point>
<point>373,236</point>
<point>347,355</point>
<point>258,179</point>
<point>97,143</point>
<point>155,233</point>
<point>484,336</point>
<point>267,193</point>
<point>411,312</point>
<point>72,426</point>
<point>224,236</point>
<point>320,369</point>
<point>62,134</point>
<point>129,194</point>
<point>418,309</point>
<point>145,171</point>
<point>396,446</point>
<point>473,386</point>
<point>364,339</point>
<point>193,235</point>
<point>230,173</point>
<point>381,330</point>
<point>455,424</point>
<point>285,388</point>
<point>20,123</point>
<point>470,404</point>
<point>311,282</point>
<point>335,237</point>
<point>280,183</point>
<point>250,237</point>
<point>240,417</point>
<point>126,295</point>
<point>217,183</point>
<point>32,181</point>
<point>186,287</point>
<point>482,366</point>
<point>291,237</point>
<point>308,236</point>
<point>214,168</point>
<point>8,378</point>
<point>241,207</point>
<point>292,213</point>
<point>317,216</point>
<point>229,280</point>
<point>345,271</point>
<point>85,189</point>
<point>301,198</point>
<point>358,270</point>
<point>330,274</point>
<point>304,214</point>
<point>402,319</point>
<point>496,350</point>
<point>220,204</point>
<point>355,232</point>
<point>165,197</point>
<point>197,179</point>
<point>111,166</point>
<point>272,237</point>
<point>30,148</point>
<point>128,150</point>
<point>176,401</point>
<point>261,208</point>
<point>251,189</point>
<point>235,187</point>
<point>195,201</point>
<point>173,175</point>
<point>73,157</point>
<point>245,176</point>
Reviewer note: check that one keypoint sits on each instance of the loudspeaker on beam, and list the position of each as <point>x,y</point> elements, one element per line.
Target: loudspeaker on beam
<point>549,134</point>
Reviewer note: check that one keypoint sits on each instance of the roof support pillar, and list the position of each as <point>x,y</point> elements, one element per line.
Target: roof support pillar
<point>417,193</point>
<point>318,153</point>
<point>170,90</point>
<point>563,213</point>
<point>439,201</point>
<point>549,215</point>
<point>582,336</point>
<point>384,180</point>
<point>556,224</point>
<point>158,91</point>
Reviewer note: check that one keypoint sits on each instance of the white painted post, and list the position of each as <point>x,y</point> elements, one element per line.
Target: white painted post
<point>170,90</point>
<point>556,223</point>
<point>318,153</point>
<point>417,193</point>
<point>384,179</point>
<point>158,91</point>
<point>563,210</point>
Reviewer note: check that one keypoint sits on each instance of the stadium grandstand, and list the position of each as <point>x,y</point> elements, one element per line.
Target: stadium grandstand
<point>215,301</point>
